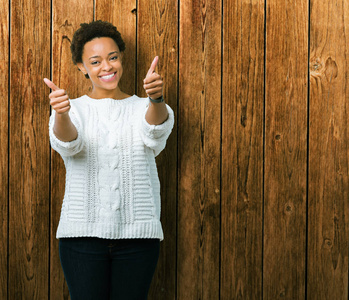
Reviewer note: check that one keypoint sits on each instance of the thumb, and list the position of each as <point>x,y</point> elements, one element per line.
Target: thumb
<point>51,85</point>
<point>153,66</point>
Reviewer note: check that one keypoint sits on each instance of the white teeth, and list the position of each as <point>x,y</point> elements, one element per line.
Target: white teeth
<point>108,76</point>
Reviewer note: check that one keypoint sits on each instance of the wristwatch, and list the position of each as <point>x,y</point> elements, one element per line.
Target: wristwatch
<point>158,100</point>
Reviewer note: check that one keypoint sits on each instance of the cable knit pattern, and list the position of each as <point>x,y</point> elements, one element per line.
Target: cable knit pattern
<point>112,185</point>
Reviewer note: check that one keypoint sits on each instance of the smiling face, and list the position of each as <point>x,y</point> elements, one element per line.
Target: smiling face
<point>102,61</point>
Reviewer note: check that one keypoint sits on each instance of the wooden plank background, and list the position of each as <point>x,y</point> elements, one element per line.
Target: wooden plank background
<point>242,150</point>
<point>255,181</point>
<point>285,176</point>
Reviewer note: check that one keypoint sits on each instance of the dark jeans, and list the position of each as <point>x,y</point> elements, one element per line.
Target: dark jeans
<point>103,269</point>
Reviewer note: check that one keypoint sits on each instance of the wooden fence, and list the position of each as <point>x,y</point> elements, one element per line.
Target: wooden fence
<point>255,174</point>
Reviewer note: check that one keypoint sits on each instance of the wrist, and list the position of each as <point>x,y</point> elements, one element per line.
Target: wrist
<point>62,118</point>
<point>157,100</point>
<point>62,115</point>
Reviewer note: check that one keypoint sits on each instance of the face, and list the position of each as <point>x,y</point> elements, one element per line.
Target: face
<point>102,61</point>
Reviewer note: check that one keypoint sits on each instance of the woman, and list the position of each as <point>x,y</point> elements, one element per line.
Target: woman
<point>109,229</point>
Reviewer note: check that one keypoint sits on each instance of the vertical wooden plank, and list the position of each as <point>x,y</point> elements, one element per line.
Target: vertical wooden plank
<point>285,149</point>
<point>65,74</point>
<point>158,35</point>
<point>328,151</point>
<point>29,151</point>
<point>4,47</point>
<point>123,15</point>
<point>242,149</point>
<point>199,149</point>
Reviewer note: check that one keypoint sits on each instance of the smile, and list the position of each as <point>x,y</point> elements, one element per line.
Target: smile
<point>108,77</point>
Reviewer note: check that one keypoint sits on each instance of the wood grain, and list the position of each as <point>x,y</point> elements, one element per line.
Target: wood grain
<point>242,150</point>
<point>123,15</point>
<point>157,35</point>
<point>285,150</point>
<point>4,93</point>
<point>66,76</point>
<point>199,150</point>
<point>328,153</point>
<point>29,151</point>
<point>246,227</point>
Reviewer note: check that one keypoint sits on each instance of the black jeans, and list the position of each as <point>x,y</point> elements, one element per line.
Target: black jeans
<point>103,269</point>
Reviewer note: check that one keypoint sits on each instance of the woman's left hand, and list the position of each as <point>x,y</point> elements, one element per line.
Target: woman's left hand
<point>153,81</point>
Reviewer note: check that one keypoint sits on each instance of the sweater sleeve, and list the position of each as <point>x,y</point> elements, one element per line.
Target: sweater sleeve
<point>155,136</point>
<point>66,148</point>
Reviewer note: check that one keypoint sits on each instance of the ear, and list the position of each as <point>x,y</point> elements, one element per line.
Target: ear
<point>82,68</point>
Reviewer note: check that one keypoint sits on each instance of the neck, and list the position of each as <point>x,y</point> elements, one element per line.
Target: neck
<point>113,94</point>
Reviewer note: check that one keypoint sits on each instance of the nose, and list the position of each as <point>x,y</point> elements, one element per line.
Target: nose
<point>107,66</point>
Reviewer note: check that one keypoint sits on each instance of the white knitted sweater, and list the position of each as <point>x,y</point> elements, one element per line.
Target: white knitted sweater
<point>112,187</point>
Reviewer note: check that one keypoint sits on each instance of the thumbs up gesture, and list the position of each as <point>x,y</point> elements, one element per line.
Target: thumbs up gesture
<point>153,81</point>
<point>59,99</point>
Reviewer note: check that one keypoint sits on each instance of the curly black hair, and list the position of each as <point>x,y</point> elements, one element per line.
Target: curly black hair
<point>89,31</point>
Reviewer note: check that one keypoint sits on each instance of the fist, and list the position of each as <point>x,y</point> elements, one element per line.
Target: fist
<point>153,81</point>
<point>59,99</point>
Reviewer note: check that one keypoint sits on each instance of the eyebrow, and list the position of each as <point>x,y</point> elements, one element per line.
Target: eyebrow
<point>96,56</point>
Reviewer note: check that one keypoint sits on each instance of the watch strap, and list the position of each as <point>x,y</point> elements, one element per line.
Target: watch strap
<point>158,100</point>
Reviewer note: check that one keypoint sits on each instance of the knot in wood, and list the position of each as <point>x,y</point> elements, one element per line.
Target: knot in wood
<point>288,208</point>
<point>331,69</point>
<point>327,243</point>
<point>316,66</point>
<point>319,67</point>
<point>282,293</point>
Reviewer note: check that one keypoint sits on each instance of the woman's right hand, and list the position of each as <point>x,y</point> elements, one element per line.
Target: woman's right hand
<point>59,99</point>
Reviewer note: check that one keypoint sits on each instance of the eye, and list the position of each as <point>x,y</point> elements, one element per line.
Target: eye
<point>94,62</point>
<point>114,58</point>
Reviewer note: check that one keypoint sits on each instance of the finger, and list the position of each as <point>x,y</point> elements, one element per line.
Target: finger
<point>154,84</point>
<point>153,66</point>
<point>57,94</point>
<point>154,91</point>
<point>59,100</point>
<point>152,77</point>
<point>61,105</point>
<point>63,110</point>
<point>51,85</point>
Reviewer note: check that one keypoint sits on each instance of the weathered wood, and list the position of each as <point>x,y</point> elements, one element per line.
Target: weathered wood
<point>199,150</point>
<point>123,15</point>
<point>285,150</point>
<point>65,75</point>
<point>4,93</point>
<point>242,150</point>
<point>157,35</point>
<point>29,151</point>
<point>328,151</point>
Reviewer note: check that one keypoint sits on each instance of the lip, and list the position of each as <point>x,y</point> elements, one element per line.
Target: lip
<point>110,79</point>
